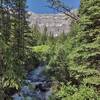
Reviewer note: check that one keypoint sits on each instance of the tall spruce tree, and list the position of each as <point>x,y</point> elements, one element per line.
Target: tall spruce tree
<point>82,48</point>
<point>20,27</point>
<point>13,26</point>
<point>84,59</point>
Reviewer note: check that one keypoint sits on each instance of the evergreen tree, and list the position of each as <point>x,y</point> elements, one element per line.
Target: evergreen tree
<point>36,34</point>
<point>84,58</point>
<point>62,37</point>
<point>20,28</point>
<point>13,27</point>
<point>82,48</point>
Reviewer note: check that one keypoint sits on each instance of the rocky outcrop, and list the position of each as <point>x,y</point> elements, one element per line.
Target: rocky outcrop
<point>55,23</point>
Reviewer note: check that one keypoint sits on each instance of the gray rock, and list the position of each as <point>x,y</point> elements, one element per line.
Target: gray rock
<point>25,90</point>
<point>17,97</point>
<point>55,23</point>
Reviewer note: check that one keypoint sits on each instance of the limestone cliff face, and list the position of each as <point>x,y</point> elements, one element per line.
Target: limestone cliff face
<point>55,23</point>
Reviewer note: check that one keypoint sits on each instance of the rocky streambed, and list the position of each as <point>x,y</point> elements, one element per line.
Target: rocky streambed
<point>36,86</point>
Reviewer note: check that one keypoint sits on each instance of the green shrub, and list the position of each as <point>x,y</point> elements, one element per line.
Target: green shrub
<point>57,66</point>
<point>71,92</point>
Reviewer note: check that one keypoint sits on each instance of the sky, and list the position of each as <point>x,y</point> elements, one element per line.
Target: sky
<point>40,6</point>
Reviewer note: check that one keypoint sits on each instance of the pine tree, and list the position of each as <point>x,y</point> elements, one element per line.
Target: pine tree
<point>5,32</point>
<point>84,59</point>
<point>13,27</point>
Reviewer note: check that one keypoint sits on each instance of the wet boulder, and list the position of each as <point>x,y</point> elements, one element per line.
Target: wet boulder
<point>17,96</point>
<point>10,91</point>
<point>25,90</point>
<point>42,87</point>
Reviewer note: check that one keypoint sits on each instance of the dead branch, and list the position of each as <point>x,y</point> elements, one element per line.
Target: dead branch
<point>60,7</point>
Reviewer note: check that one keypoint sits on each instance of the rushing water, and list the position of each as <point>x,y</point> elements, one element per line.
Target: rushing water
<point>36,87</point>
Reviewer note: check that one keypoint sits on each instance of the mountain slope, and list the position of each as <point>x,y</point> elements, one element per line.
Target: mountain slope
<point>55,23</point>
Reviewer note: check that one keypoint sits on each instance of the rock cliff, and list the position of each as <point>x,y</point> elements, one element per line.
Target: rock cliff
<point>55,23</point>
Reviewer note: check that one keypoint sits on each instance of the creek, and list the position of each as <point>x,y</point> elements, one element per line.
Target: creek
<point>36,86</point>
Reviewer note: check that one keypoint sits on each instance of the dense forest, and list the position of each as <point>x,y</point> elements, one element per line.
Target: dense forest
<point>72,61</point>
